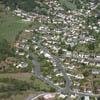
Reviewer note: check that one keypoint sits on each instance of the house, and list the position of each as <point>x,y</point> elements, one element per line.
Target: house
<point>86,62</point>
<point>79,76</point>
<point>49,76</point>
<point>47,97</point>
<point>47,55</point>
<point>17,12</point>
<point>59,74</point>
<point>27,30</point>
<point>98,22</point>
<point>97,59</point>
<point>86,98</point>
<point>71,67</point>
<point>98,64</point>
<point>36,47</point>
<point>22,65</point>
<point>68,54</point>
<point>57,84</point>
<point>26,48</point>
<point>73,96</point>
<point>27,20</point>
<point>27,56</point>
<point>62,96</point>
<point>95,71</point>
<point>21,53</point>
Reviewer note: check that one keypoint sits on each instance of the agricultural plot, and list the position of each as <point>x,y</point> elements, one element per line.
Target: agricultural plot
<point>20,76</point>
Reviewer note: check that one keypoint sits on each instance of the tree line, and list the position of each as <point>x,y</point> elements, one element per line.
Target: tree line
<point>27,5</point>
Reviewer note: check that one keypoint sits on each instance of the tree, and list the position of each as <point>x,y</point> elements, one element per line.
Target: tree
<point>60,52</point>
<point>86,73</point>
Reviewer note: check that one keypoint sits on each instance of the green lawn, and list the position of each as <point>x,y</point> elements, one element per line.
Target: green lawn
<point>11,26</point>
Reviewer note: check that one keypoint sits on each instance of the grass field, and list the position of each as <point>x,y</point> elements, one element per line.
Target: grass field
<point>11,26</point>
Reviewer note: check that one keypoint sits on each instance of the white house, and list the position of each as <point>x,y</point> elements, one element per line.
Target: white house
<point>47,55</point>
<point>59,74</point>
<point>48,96</point>
<point>22,65</point>
<point>87,98</point>
<point>79,76</point>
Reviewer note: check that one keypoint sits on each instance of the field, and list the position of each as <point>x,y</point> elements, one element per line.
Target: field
<point>20,76</point>
<point>11,26</point>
